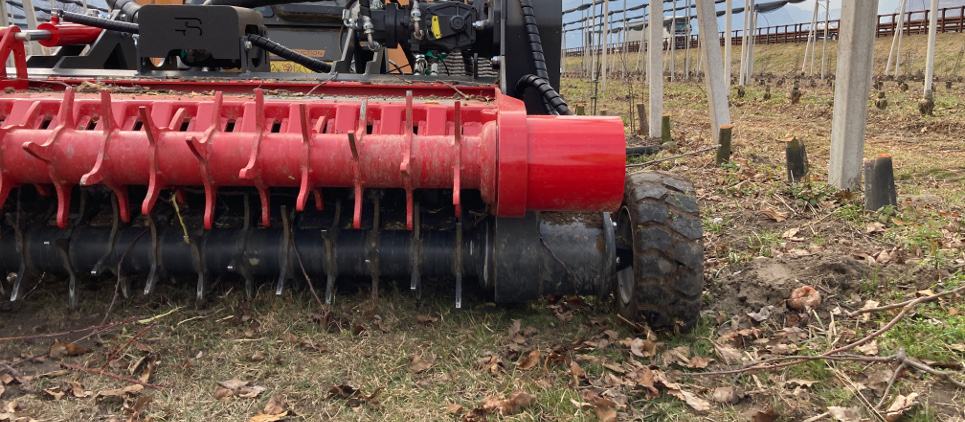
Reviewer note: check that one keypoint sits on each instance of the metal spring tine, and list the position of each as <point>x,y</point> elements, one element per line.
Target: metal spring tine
<point>415,252</point>
<point>372,249</point>
<point>283,251</point>
<point>153,275</point>
<point>457,263</point>
<point>330,238</point>
<point>241,265</point>
<point>18,233</point>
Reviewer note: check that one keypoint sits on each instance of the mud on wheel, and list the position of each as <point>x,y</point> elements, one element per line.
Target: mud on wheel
<point>660,274</point>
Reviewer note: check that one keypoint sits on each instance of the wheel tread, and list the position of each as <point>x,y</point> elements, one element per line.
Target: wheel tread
<point>668,255</point>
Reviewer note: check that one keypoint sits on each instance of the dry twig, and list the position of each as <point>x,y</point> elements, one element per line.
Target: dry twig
<point>900,358</point>
<point>128,343</point>
<point>115,376</point>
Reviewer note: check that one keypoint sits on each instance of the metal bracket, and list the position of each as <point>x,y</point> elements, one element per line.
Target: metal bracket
<point>98,174</point>
<point>253,170</point>
<point>305,187</point>
<point>406,160</point>
<point>42,151</point>
<point>200,149</point>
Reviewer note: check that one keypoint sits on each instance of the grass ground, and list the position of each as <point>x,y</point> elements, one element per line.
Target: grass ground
<point>426,361</point>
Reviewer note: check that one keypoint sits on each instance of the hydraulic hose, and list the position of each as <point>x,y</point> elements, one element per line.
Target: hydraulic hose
<point>289,54</point>
<point>256,40</point>
<point>112,25</point>
<point>551,98</point>
<point>251,4</point>
<point>532,36</point>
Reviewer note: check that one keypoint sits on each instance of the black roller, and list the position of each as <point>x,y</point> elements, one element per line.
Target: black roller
<point>516,259</point>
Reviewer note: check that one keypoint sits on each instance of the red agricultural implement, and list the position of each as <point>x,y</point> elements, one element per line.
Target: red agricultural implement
<point>156,145</point>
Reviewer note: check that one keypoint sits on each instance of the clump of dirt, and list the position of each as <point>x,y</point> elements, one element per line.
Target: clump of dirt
<point>769,281</point>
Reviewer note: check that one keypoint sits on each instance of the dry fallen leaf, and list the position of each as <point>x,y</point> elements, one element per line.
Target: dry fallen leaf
<point>762,315</point>
<point>774,214</point>
<point>77,390</point>
<point>698,362</point>
<point>492,364</point>
<point>726,395</point>
<point>678,355</point>
<point>420,364</point>
<point>427,320</point>
<point>222,393</point>
<point>901,405</point>
<point>727,353</point>
<point>643,348</point>
<point>275,405</point>
<point>251,392</point>
<point>75,350</point>
<point>770,415</point>
<point>845,414</point>
<point>131,389</point>
<point>529,361</point>
<point>692,400</point>
<point>511,405</point>
<point>257,356</point>
<point>870,348</point>
<point>233,384</point>
<point>454,409</point>
<point>603,407</point>
<point>577,373</point>
<point>53,393</point>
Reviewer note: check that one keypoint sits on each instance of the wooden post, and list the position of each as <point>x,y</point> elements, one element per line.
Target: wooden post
<point>901,33</point>
<point>665,132</point>
<point>898,31</point>
<point>855,64</point>
<point>824,51</point>
<point>654,74</point>
<point>879,187</point>
<point>932,32</point>
<point>744,42</point>
<point>797,160</point>
<point>723,153</point>
<point>728,29</point>
<point>581,109</point>
<point>642,115</point>
<point>750,48</point>
<point>687,47</point>
<point>717,86</point>
<point>673,40</point>
<point>605,43</point>
<point>593,68</point>
<point>811,32</point>
<point>3,16</point>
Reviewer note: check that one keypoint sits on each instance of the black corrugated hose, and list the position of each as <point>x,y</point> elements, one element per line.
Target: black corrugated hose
<point>287,53</point>
<point>532,37</point>
<point>540,81</point>
<point>130,28</point>
<point>257,40</point>
<point>550,97</point>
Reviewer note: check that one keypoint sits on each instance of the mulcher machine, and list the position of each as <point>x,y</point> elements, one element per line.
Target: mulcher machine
<point>156,145</point>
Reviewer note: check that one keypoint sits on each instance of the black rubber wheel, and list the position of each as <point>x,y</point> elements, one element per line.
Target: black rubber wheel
<point>660,221</point>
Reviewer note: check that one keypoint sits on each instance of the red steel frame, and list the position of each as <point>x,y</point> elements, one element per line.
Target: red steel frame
<point>484,142</point>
